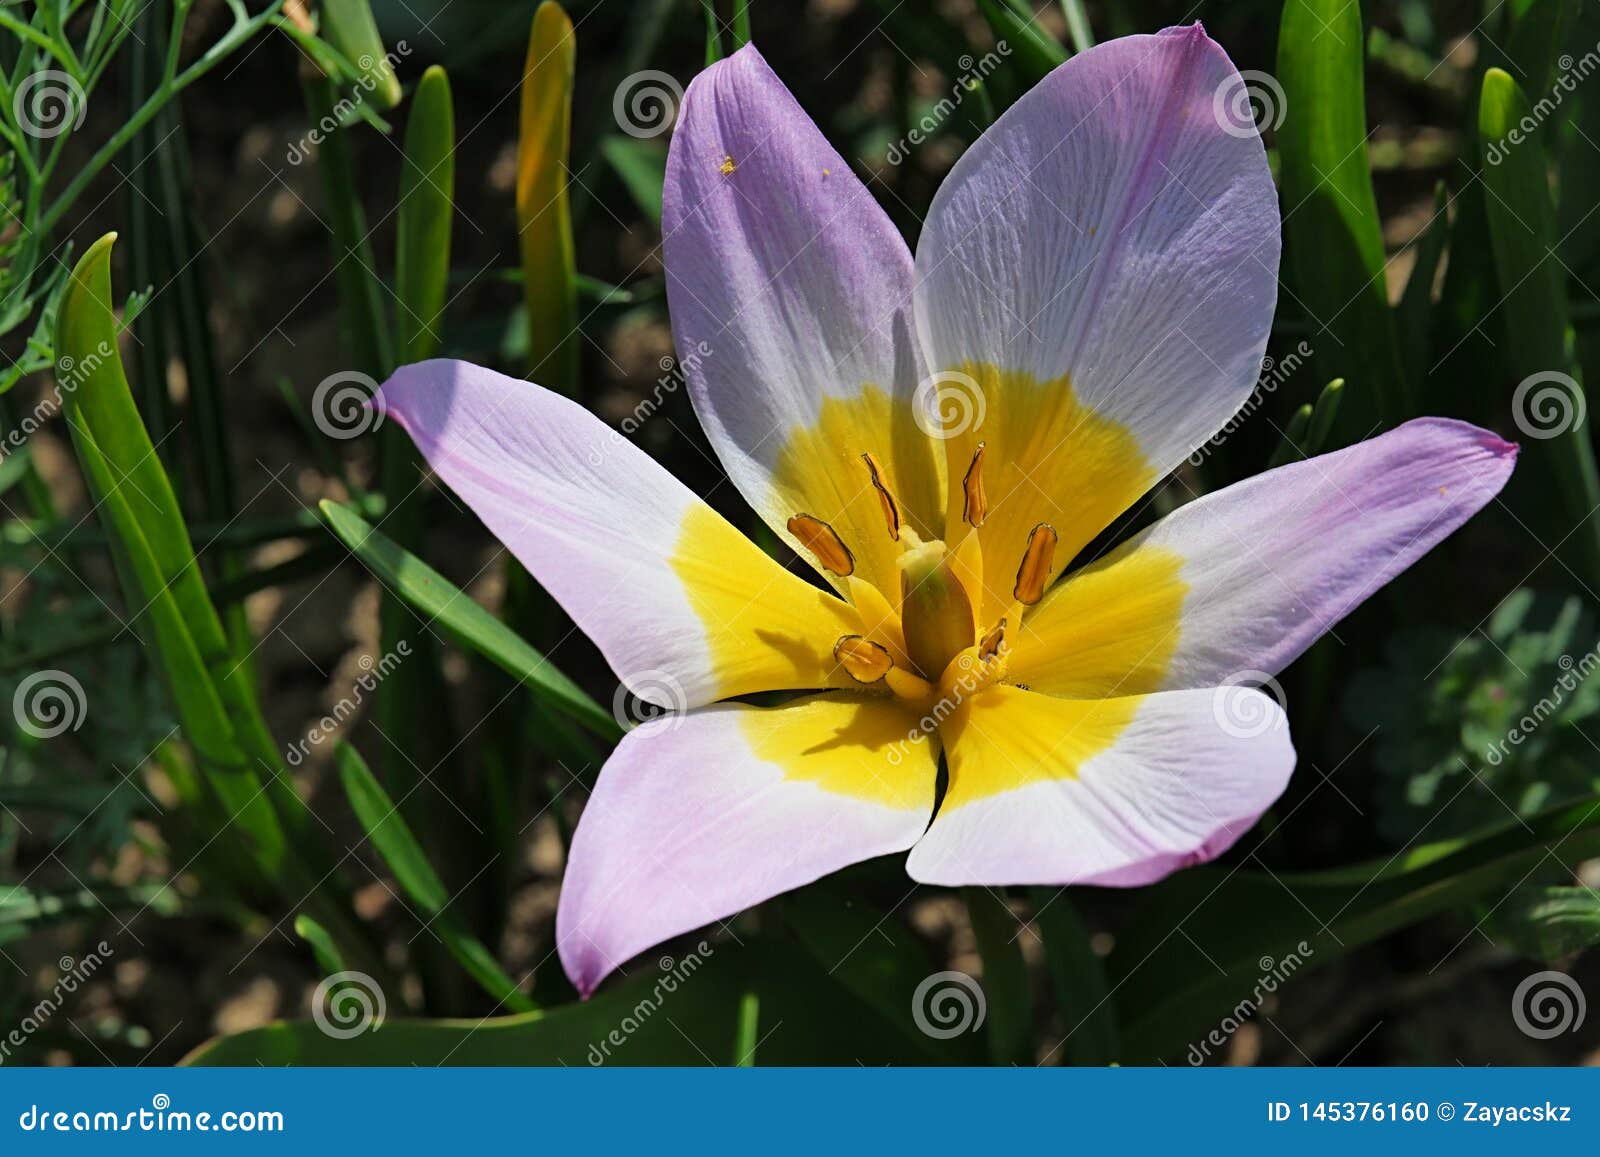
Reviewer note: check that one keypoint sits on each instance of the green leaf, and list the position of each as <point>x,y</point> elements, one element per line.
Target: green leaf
<point>443,603</point>
<point>329,959</point>
<point>348,26</point>
<point>363,298</point>
<point>1079,977</point>
<point>1537,37</point>
<point>544,213</point>
<point>713,32</point>
<point>1204,939</point>
<point>642,166</point>
<point>423,218</point>
<point>1078,25</point>
<point>161,582</point>
<point>156,563</point>
<point>875,957</point>
<point>1007,988</point>
<point>1333,238</point>
<point>1414,314</point>
<point>1547,922</point>
<point>387,830</point>
<point>1522,234</point>
<point>1034,52</point>
<point>686,1011</point>
<point>1290,446</point>
<point>24,911</point>
<point>1323,415</point>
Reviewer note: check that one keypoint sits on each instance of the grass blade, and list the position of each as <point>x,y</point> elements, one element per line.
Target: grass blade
<point>446,605</point>
<point>1333,237</point>
<point>381,820</point>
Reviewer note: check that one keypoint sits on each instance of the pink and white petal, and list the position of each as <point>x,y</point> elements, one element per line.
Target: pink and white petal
<point>697,817</point>
<point>1242,581</point>
<point>1117,792</point>
<point>684,607</point>
<point>1102,264</point>
<point>790,294</point>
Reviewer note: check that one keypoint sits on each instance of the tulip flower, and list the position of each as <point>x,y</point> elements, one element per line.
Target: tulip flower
<point>939,437</point>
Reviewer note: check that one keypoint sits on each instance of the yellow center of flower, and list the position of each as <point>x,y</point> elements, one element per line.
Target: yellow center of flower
<point>945,644</point>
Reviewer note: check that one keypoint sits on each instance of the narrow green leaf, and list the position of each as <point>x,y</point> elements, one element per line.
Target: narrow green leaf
<point>642,166</point>
<point>713,32</point>
<point>1007,988</point>
<point>414,735</point>
<point>749,1035</point>
<point>1323,416</point>
<point>363,299</point>
<point>1078,25</point>
<point>1537,37</point>
<point>1258,926</point>
<point>382,822</point>
<point>741,24</point>
<point>1548,399</point>
<point>1414,314</point>
<point>329,959</point>
<point>544,215</point>
<point>445,604</point>
<point>1034,52</point>
<point>1290,446</point>
<point>172,611</point>
<point>348,26</point>
<point>423,218</point>
<point>1079,977</point>
<point>1333,238</point>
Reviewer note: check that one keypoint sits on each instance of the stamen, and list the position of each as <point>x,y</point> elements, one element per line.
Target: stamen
<point>992,643</point>
<point>976,507</point>
<point>1036,563</point>
<point>823,542</point>
<point>864,660</point>
<point>891,509</point>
